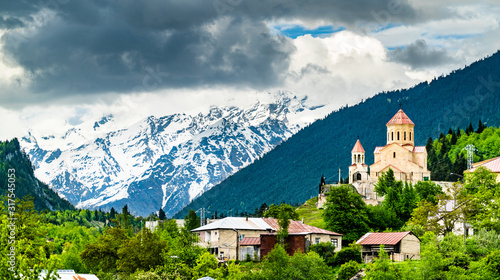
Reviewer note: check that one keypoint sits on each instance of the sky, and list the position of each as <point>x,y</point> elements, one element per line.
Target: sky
<point>66,62</point>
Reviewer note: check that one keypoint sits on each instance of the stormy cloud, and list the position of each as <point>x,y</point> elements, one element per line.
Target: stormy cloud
<point>80,47</point>
<point>419,55</point>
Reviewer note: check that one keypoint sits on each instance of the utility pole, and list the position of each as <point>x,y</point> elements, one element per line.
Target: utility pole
<point>340,175</point>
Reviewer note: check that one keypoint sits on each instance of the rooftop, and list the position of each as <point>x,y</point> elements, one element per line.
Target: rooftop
<point>400,118</point>
<point>386,238</point>
<point>236,223</point>
<point>492,164</point>
<point>358,148</point>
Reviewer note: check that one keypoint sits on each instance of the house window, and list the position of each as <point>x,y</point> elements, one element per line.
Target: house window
<point>410,136</point>
<point>394,155</point>
<point>335,242</point>
<point>426,178</point>
<point>392,135</point>
<point>317,240</point>
<point>404,135</point>
<point>398,135</point>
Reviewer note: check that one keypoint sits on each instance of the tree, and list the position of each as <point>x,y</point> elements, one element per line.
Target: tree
<point>283,209</point>
<point>143,251</point>
<point>161,214</point>
<point>191,221</point>
<point>351,253</point>
<point>346,213</point>
<point>348,270</point>
<point>103,254</point>
<point>326,250</point>
<point>428,190</point>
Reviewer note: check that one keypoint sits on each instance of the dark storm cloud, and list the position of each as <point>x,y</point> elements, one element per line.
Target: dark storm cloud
<point>127,45</point>
<point>418,55</point>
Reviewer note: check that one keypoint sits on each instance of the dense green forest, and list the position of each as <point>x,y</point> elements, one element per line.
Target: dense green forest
<point>446,154</point>
<point>291,172</point>
<point>16,164</point>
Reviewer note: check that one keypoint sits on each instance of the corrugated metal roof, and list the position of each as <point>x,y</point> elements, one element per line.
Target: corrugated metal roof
<point>358,148</point>
<point>299,228</point>
<point>250,241</point>
<point>386,238</point>
<point>236,223</point>
<point>491,164</point>
<point>400,118</point>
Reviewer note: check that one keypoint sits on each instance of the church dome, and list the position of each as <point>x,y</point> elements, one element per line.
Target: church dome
<point>400,118</point>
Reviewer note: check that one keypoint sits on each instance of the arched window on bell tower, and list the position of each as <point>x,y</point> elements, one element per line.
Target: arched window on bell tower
<point>404,138</point>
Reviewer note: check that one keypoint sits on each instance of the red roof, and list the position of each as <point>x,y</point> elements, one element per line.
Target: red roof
<point>250,241</point>
<point>492,164</point>
<point>419,149</point>
<point>386,238</point>
<point>298,227</point>
<point>400,118</point>
<point>358,148</point>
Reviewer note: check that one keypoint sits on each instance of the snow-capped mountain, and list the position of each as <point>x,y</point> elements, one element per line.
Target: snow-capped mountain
<point>163,162</point>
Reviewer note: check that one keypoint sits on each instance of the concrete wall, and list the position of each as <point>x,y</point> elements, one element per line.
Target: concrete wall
<point>410,247</point>
<point>324,238</point>
<point>225,240</point>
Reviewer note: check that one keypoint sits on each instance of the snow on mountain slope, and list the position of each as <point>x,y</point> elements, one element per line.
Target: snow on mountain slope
<point>163,162</point>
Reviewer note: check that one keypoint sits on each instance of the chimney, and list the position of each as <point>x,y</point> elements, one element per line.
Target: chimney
<point>247,218</point>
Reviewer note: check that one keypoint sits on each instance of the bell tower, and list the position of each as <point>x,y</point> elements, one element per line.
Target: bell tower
<point>400,130</point>
<point>358,170</point>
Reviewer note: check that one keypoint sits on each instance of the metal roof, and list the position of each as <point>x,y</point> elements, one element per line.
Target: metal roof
<point>250,241</point>
<point>386,238</point>
<point>236,223</point>
<point>419,149</point>
<point>378,149</point>
<point>492,164</point>
<point>263,224</point>
<point>400,118</point>
<point>358,148</point>
<point>297,227</point>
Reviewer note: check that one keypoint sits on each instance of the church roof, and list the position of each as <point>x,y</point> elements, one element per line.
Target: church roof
<point>358,148</point>
<point>400,118</point>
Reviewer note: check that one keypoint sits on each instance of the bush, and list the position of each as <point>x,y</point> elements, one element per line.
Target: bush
<point>348,270</point>
<point>326,250</point>
<point>352,253</point>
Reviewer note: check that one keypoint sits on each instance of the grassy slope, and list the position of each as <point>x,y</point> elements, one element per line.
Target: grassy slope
<point>311,215</point>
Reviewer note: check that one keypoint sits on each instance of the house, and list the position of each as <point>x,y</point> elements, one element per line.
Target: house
<point>237,237</point>
<point>492,164</point>
<point>399,245</point>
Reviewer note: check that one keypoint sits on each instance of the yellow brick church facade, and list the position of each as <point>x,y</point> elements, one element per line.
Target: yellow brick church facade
<point>409,162</point>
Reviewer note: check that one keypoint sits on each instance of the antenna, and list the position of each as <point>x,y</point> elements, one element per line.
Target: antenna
<point>470,155</point>
<point>202,211</point>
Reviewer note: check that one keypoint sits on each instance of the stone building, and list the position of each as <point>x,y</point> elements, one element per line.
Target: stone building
<point>409,162</point>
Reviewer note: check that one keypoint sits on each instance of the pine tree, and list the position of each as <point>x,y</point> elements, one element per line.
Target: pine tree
<point>161,214</point>
<point>480,127</point>
<point>469,129</point>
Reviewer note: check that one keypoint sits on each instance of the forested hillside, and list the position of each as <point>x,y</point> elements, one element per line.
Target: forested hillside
<point>291,172</point>
<point>446,154</point>
<point>17,179</point>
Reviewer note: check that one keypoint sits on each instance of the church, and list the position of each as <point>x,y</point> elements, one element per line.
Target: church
<point>409,162</point>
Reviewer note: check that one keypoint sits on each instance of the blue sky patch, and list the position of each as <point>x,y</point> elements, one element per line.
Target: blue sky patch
<point>294,31</point>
